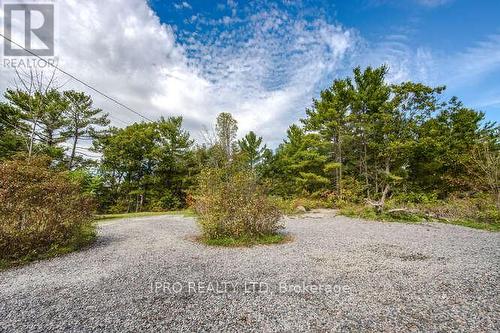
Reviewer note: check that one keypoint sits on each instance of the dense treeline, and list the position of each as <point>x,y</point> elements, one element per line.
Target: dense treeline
<point>146,166</point>
<point>364,138</point>
<point>363,141</point>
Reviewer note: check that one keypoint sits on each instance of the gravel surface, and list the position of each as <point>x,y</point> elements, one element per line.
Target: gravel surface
<point>339,274</point>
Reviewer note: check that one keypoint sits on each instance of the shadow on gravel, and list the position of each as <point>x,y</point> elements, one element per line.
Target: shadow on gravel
<point>103,241</point>
<point>397,252</point>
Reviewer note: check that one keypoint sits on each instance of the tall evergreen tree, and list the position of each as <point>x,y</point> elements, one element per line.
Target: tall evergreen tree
<point>11,131</point>
<point>83,120</point>
<point>328,116</point>
<point>251,146</point>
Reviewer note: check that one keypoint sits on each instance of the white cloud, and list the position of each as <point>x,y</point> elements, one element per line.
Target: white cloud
<point>121,48</point>
<point>425,3</point>
<point>264,72</point>
<point>433,3</point>
<point>182,5</point>
<point>404,62</point>
<point>463,72</point>
<point>476,61</point>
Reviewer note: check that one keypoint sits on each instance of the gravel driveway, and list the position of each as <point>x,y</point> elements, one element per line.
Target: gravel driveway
<point>339,274</point>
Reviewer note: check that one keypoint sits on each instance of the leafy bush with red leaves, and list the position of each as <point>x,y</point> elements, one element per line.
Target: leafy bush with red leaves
<point>40,209</point>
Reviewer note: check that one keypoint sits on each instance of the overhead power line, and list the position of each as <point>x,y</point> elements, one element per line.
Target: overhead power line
<point>78,80</point>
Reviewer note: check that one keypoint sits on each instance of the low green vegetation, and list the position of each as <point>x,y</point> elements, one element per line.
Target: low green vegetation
<point>368,213</point>
<point>246,241</point>
<point>474,224</point>
<point>473,212</point>
<point>184,212</point>
<point>84,238</point>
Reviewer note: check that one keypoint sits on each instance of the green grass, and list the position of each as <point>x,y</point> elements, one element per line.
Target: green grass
<point>87,236</point>
<point>246,241</point>
<point>475,224</point>
<point>185,213</point>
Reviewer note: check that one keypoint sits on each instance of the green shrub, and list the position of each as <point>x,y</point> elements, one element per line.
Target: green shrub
<point>168,201</point>
<point>415,197</point>
<point>230,203</point>
<point>40,209</point>
<point>121,205</point>
<point>353,191</point>
<point>480,208</point>
<point>311,203</point>
<point>363,211</point>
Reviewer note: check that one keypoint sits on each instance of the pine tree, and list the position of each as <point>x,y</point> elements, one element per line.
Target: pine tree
<point>83,120</point>
<point>251,147</point>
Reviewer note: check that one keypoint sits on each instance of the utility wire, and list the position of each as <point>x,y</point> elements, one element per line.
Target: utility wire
<point>40,136</point>
<point>77,79</point>
<point>118,120</point>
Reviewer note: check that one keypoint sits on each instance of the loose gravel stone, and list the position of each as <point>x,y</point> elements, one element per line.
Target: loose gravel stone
<point>339,274</point>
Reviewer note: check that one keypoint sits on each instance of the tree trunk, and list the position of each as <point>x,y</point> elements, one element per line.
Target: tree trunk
<point>339,184</point>
<point>73,151</point>
<point>387,186</point>
<point>50,138</point>
<point>32,138</point>
<point>498,199</point>
<point>384,196</point>
<point>379,205</point>
<point>365,162</point>
<point>334,154</point>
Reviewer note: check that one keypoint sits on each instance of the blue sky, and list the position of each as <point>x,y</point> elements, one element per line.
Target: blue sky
<point>451,42</point>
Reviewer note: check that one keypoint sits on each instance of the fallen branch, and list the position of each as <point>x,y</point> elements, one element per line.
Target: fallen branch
<point>377,204</point>
<point>406,210</point>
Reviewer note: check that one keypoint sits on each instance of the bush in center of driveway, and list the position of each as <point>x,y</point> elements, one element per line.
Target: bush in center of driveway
<point>231,203</point>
